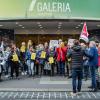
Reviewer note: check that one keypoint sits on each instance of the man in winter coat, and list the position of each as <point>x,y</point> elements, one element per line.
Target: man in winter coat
<point>93,63</point>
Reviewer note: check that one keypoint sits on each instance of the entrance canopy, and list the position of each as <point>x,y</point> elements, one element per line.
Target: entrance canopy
<point>40,31</point>
<point>48,26</point>
<point>50,9</point>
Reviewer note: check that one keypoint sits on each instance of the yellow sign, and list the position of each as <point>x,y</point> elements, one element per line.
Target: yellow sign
<point>43,54</point>
<point>69,59</point>
<point>15,57</point>
<point>22,49</point>
<point>51,60</point>
<point>33,56</point>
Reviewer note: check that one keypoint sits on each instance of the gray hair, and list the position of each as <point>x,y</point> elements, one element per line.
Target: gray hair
<point>93,43</point>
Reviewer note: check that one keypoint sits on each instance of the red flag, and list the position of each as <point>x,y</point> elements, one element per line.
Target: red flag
<point>84,34</point>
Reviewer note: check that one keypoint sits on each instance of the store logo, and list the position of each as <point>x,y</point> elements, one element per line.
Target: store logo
<point>32,5</point>
<point>50,6</point>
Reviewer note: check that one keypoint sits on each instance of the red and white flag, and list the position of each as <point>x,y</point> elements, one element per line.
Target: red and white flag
<point>84,34</point>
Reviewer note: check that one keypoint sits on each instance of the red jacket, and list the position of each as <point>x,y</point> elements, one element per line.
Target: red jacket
<point>99,57</point>
<point>61,53</point>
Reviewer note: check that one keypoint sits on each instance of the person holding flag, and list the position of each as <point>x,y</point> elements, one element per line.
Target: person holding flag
<point>92,54</point>
<point>84,34</point>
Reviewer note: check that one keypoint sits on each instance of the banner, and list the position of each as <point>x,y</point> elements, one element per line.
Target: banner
<point>53,43</point>
<point>71,42</point>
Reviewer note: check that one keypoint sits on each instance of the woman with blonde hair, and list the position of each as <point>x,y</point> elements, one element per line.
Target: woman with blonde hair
<point>29,44</point>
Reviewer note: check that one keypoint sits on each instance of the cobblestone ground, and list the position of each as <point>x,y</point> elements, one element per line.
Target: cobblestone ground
<point>44,88</point>
<point>48,96</point>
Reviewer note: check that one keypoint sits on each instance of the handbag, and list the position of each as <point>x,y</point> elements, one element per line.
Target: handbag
<point>47,66</point>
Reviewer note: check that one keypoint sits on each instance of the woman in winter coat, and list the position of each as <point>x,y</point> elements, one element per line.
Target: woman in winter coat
<point>61,52</point>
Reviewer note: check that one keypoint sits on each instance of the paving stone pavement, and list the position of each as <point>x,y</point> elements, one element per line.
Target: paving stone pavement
<point>48,96</point>
<point>44,88</point>
<point>56,83</point>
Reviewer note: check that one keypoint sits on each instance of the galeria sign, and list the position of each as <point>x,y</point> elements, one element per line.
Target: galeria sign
<point>50,6</point>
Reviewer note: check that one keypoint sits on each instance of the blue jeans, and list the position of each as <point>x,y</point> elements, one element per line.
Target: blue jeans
<point>77,75</point>
<point>61,68</point>
<point>93,76</point>
<point>86,71</point>
<point>30,65</point>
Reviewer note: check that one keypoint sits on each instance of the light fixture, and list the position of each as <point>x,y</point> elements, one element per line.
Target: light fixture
<point>76,27</point>
<point>98,25</point>
<point>59,27</point>
<point>20,25</point>
<point>23,27</point>
<point>81,22</point>
<point>41,27</point>
<point>16,22</point>
<point>1,25</point>
<point>79,25</point>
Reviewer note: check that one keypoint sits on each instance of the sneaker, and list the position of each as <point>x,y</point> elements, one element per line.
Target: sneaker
<point>22,73</point>
<point>73,94</point>
<point>93,90</point>
<point>6,76</point>
<point>25,73</point>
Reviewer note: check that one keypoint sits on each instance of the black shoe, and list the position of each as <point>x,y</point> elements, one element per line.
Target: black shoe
<point>98,85</point>
<point>69,77</point>
<point>1,80</point>
<point>93,90</point>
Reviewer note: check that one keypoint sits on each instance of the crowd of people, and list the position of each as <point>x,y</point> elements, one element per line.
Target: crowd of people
<point>80,61</point>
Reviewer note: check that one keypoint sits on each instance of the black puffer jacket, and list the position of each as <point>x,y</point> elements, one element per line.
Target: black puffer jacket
<point>76,54</point>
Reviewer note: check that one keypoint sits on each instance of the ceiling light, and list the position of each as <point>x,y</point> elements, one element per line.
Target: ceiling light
<point>1,25</point>
<point>41,27</point>
<point>79,25</point>
<point>82,23</point>
<point>59,27</point>
<point>98,25</point>
<point>16,22</point>
<point>23,27</point>
<point>20,25</point>
<point>76,27</point>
